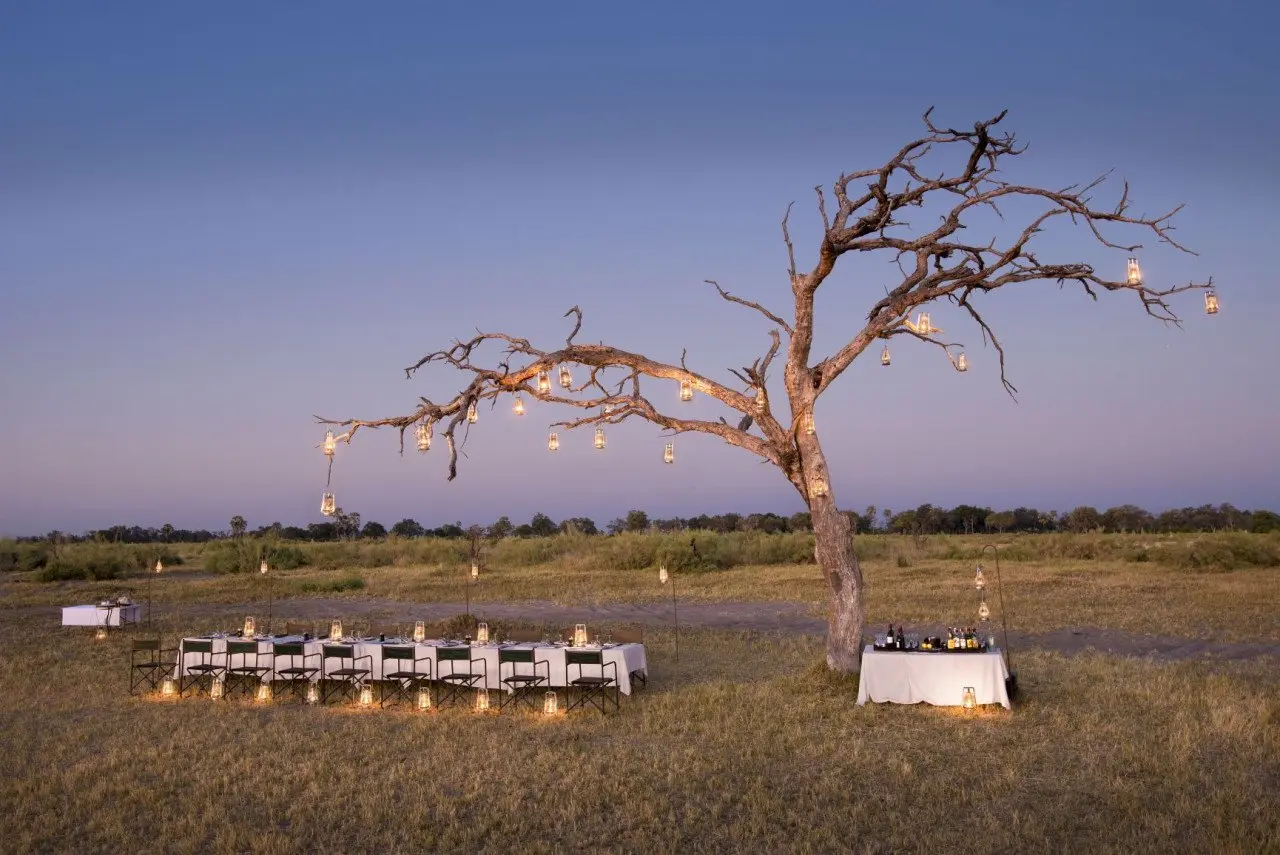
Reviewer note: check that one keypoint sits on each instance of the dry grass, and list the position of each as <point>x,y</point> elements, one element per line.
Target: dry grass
<point>747,745</point>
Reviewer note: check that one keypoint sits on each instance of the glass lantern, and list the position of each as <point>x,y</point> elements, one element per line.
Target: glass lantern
<point>519,407</point>
<point>550,703</point>
<point>101,633</point>
<point>984,611</point>
<point>475,569</point>
<point>1210,302</point>
<point>335,629</point>
<point>599,437</point>
<point>313,693</point>
<point>422,434</point>
<point>979,579</point>
<point>924,326</point>
<point>262,568</point>
<point>482,701</point>
<point>482,633</point>
<point>968,698</point>
<point>669,453</point>
<point>884,355</point>
<point>424,699</point>
<point>579,635</point>
<point>264,692</point>
<point>686,390</point>
<point>366,695</point>
<point>159,566</point>
<point>544,383</point>
<point>473,415</point>
<point>962,363</point>
<point>169,687</point>
<point>663,576</point>
<point>249,626</point>
<point>553,441</point>
<point>1135,272</point>
<point>809,427</point>
<point>566,378</point>
<point>819,486</point>
<point>330,443</point>
<point>761,400</point>
<point>218,689</point>
<point>419,631</point>
<point>328,505</point>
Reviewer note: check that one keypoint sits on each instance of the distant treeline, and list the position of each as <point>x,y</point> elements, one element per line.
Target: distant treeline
<point>924,520</point>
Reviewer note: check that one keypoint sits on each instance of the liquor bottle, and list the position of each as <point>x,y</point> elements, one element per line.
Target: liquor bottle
<point>902,641</point>
<point>888,639</point>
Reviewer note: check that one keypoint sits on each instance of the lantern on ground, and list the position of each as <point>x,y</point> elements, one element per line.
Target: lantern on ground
<point>424,698</point>
<point>475,569</point>
<point>1135,272</point>
<point>1210,302</point>
<point>669,453</point>
<point>218,689</point>
<point>962,363</point>
<point>550,703</point>
<point>249,626</point>
<point>419,631</point>
<point>264,692</point>
<point>366,695</point>
<point>979,580</point>
<point>482,701</point>
<point>422,434</point>
<point>313,693</point>
<point>663,576</point>
<point>686,390</point>
<point>566,379</point>
<point>553,441</point>
<point>579,635</point>
<point>884,355</point>
<point>169,688</point>
<point>809,427</point>
<point>599,437</point>
<point>544,383</point>
<point>330,444</point>
<point>328,505</point>
<point>482,633</point>
<point>968,699</point>
<point>473,415</point>
<point>519,407</point>
<point>335,629</point>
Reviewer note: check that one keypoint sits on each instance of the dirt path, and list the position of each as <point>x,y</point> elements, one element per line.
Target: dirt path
<point>767,617</point>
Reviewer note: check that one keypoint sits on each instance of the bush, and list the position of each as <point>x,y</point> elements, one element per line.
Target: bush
<point>350,582</point>
<point>93,561</point>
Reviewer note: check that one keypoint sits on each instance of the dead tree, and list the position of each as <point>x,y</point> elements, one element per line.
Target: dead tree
<point>868,211</point>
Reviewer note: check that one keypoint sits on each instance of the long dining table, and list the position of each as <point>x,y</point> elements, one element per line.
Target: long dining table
<point>628,659</point>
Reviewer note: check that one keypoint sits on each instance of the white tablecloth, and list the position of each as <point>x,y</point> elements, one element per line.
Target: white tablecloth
<point>100,615</point>
<point>932,678</point>
<point>630,658</point>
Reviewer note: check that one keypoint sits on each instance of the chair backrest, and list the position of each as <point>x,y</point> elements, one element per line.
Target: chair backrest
<point>392,651</point>
<point>242,648</point>
<point>628,636</point>
<point>338,651</point>
<point>289,648</point>
<point>584,657</point>
<point>197,646</point>
<point>145,644</point>
<point>515,654</point>
<point>453,654</point>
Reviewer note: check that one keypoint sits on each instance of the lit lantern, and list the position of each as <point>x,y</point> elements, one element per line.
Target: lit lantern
<point>544,383</point>
<point>249,627</point>
<point>422,434</point>
<point>599,437</point>
<point>169,688</point>
<point>809,427</point>
<point>968,699</point>
<point>330,444</point>
<point>366,696</point>
<point>979,580</point>
<point>482,701</point>
<point>475,570</point>
<point>482,633</point>
<point>264,692</point>
<point>1210,302</point>
<point>669,453</point>
<point>553,441</point>
<point>335,629</point>
<point>962,363</point>
<point>424,698</point>
<point>328,505</point>
<point>579,635</point>
<point>550,703</point>
<point>686,390</point>
<point>884,355</point>
<point>566,379</point>
<point>519,407</point>
<point>101,633</point>
<point>984,611</point>
<point>218,689</point>
<point>419,631</point>
<point>819,486</point>
<point>663,576</point>
<point>1135,272</point>
<point>606,409</point>
<point>760,399</point>
<point>262,568</point>
<point>313,693</point>
<point>159,566</point>
<point>473,415</point>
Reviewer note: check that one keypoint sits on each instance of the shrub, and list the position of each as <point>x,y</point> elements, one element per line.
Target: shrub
<point>349,582</point>
<point>93,561</point>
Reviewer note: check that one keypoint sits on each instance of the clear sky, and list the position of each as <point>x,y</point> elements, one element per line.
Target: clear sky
<point>217,220</point>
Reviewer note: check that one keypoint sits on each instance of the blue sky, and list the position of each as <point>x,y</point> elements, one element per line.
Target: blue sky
<point>218,220</point>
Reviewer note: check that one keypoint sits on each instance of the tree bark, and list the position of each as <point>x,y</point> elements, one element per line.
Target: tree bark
<point>846,614</point>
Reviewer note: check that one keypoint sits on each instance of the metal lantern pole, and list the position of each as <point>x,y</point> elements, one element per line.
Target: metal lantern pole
<point>1004,622</point>
<point>271,600</point>
<point>675,614</point>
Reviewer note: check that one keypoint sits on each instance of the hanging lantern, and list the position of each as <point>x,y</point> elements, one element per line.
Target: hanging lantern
<point>1210,302</point>
<point>419,631</point>
<point>328,505</point>
<point>366,695</point>
<point>606,409</point>
<point>984,611</point>
<point>809,427</point>
<point>553,441</point>
<point>169,688</point>
<point>761,400</point>
<point>579,635</point>
<point>482,633</point>
<point>473,415</point>
<point>482,701</point>
<point>884,355</point>
<point>924,326</point>
<point>819,486</point>
<point>544,383</point>
<point>686,390</point>
<point>249,627</point>
<point>599,437</point>
<point>669,453</point>
<point>519,407</point>
<point>218,689</point>
<point>101,633</point>
<point>313,693</point>
<point>968,698</point>
<point>335,629</point>
<point>550,703</point>
<point>262,568</point>
<point>330,444</point>
<point>663,576</point>
<point>264,692</point>
<point>962,363</point>
<point>475,570</point>
<point>1135,272</point>
<point>566,379</point>
<point>159,566</point>
<point>423,435</point>
<point>979,580</point>
<point>424,699</point>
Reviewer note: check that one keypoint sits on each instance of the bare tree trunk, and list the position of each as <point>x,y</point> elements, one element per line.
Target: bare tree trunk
<point>833,550</point>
